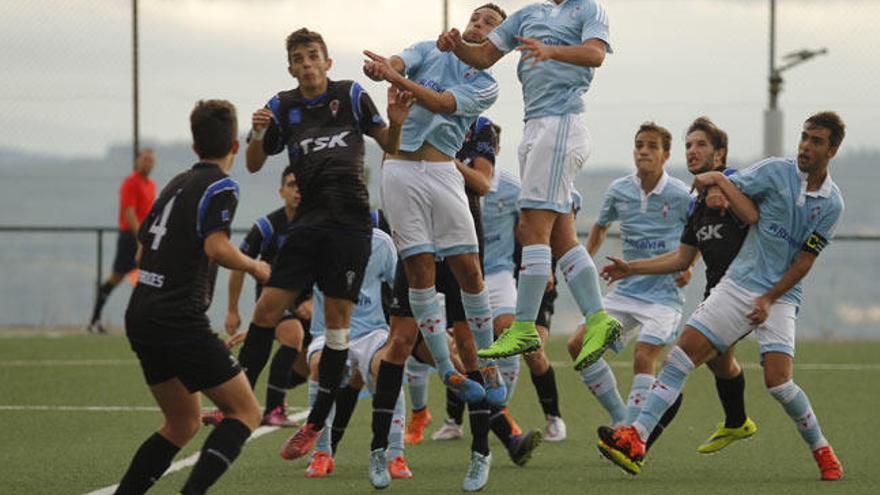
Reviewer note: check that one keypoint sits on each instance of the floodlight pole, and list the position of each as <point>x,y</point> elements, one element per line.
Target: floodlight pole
<point>445,15</point>
<point>135,82</point>
<point>773,121</point>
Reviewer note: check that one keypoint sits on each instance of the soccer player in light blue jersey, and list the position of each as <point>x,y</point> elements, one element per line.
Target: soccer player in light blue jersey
<point>652,208</point>
<point>799,208</point>
<point>369,334</point>
<point>425,203</point>
<point>562,42</point>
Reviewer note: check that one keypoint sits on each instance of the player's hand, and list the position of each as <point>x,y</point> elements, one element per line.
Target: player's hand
<point>236,339</point>
<point>449,41</point>
<point>261,119</point>
<point>702,182</point>
<point>535,50</point>
<point>550,284</point>
<point>616,270</point>
<point>233,322</point>
<point>399,103</point>
<point>716,199</point>
<point>760,310</point>
<point>261,271</point>
<point>683,278</point>
<point>378,68</point>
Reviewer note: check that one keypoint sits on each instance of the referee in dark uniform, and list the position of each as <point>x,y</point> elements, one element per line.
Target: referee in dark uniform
<point>181,242</point>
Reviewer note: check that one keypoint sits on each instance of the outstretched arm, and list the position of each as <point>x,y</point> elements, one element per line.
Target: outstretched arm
<point>589,54</point>
<point>224,253</point>
<point>380,68</point>
<point>479,56</point>
<point>388,137</point>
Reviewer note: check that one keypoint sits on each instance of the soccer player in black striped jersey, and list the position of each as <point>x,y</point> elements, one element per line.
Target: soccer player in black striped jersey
<point>262,242</point>
<point>181,242</point>
<point>322,124</point>
<point>717,234</point>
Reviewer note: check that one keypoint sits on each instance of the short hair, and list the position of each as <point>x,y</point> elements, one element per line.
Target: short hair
<point>287,171</point>
<point>497,129</point>
<point>665,135</point>
<point>303,36</point>
<point>830,121</point>
<point>716,136</point>
<point>214,127</point>
<point>492,6</point>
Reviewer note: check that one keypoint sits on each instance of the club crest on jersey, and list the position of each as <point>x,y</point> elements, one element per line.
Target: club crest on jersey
<point>815,212</point>
<point>665,210</point>
<point>294,116</point>
<point>471,72</point>
<point>334,108</point>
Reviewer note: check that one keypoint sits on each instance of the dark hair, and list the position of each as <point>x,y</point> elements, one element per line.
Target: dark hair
<point>214,126</point>
<point>497,129</point>
<point>665,135</point>
<point>303,36</point>
<point>494,7</point>
<point>830,121</point>
<point>287,171</point>
<point>716,136</point>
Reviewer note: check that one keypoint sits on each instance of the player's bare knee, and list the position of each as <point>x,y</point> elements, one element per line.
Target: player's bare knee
<point>181,430</point>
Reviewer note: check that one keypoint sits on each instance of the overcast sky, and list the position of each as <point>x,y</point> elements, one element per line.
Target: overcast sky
<point>66,66</point>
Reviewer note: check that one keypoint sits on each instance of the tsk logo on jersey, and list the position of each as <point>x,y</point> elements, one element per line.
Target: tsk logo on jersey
<point>312,145</point>
<point>709,232</point>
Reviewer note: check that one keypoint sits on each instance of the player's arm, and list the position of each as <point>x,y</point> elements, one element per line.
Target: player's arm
<point>255,155</point>
<point>233,317</point>
<point>131,218</point>
<point>392,69</point>
<point>388,137</point>
<point>479,56</point>
<point>741,205</point>
<point>682,259</point>
<point>477,178</point>
<point>220,250</point>
<point>795,273</point>
<point>590,53</point>
<point>596,238</point>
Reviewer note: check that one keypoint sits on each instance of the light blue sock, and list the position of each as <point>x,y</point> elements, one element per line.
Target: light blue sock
<point>797,405</point>
<point>583,279</point>
<point>323,443</point>
<point>398,425</point>
<point>432,324</point>
<point>509,367</point>
<point>638,394</point>
<point>533,274</point>
<point>665,391</point>
<point>600,380</point>
<point>417,383</point>
<point>479,317</point>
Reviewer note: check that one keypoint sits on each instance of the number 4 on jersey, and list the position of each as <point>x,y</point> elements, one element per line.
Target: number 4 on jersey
<point>158,228</point>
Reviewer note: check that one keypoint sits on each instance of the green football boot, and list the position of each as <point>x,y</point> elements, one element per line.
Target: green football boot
<point>602,331</point>
<point>726,436</point>
<point>521,337</point>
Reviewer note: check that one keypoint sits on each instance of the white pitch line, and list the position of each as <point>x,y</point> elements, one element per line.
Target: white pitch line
<point>67,362</point>
<point>757,366</point>
<point>191,460</point>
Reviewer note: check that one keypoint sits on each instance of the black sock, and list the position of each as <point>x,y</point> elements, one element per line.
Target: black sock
<point>388,384</point>
<point>732,395</point>
<point>103,293</point>
<point>346,400</point>
<point>331,367</point>
<point>499,425</point>
<point>296,380</point>
<point>279,376</point>
<point>667,418</point>
<point>479,417</point>
<point>149,462</point>
<point>255,351</point>
<point>220,450</point>
<point>545,386</point>
<point>454,407</point>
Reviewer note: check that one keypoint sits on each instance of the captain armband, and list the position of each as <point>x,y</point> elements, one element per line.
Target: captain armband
<point>814,244</point>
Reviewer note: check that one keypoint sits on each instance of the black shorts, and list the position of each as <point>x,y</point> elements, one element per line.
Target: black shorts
<point>201,362</point>
<point>545,312</point>
<point>126,250</point>
<point>445,283</point>
<point>333,258</point>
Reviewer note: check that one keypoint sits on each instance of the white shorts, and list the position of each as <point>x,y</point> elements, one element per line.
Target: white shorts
<point>722,319</point>
<point>655,324</point>
<point>502,293</point>
<point>360,352</point>
<point>552,152</point>
<point>427,208</point>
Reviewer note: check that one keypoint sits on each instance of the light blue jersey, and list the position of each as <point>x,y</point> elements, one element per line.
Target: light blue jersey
<point>474,91</point>
<point>367,315</point>
<point>649,225</point>
<point>790,220</point>
<point>551,87</point>
<point>500,216</point>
